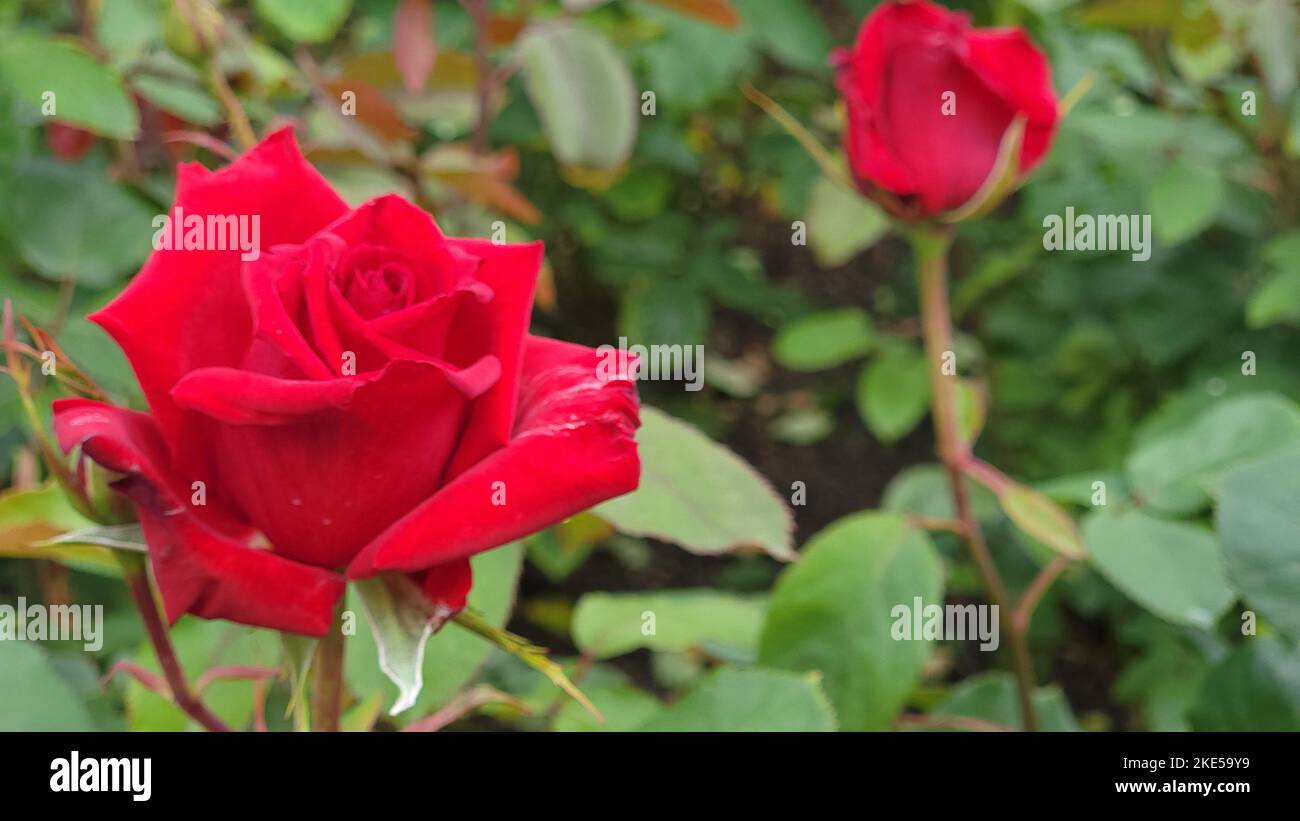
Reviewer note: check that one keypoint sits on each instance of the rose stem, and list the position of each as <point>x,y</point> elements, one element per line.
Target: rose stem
<point>137,581</point>
<point>931,247</point>
<point>327,690</point>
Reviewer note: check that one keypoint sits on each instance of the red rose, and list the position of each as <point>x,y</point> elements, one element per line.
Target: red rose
<point>363,396</point>
<point>908,135</point>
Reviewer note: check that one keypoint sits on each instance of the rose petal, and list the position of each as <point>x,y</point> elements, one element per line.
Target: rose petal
<point>389,221</point>
<point>447,585</point>
<point>186,309</point>
<point>239,397</point>
<point>273,285</point>
<point>322,467</point>
<point>862,82</point>
<point>499,328</point>
<point>214,577</point>
<point>573,447</point>
<point>202,560</point>
<point>949,156</point>
<point>1010,63</point>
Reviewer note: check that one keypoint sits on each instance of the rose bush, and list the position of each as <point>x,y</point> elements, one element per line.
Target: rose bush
<point>929,100</point>
<point>363,397</point>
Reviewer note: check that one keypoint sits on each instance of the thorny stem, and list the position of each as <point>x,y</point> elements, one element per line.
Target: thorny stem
<point>327,690</point>
<point>137,581</point>
<point>931,247</point>
<point>1034,593</point>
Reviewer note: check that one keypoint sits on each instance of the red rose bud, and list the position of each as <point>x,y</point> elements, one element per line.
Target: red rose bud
<point>360,396</point>
<point>929,101</point>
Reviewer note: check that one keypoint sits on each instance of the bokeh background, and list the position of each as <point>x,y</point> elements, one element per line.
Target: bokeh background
<point>673,219</point>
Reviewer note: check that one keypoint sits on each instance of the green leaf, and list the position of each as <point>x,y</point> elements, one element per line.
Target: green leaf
<point>893,392</point>
<point>1172,569</point>
<point>451,657</point>
<point>188,102</point>
<point>560,550</point>
<point>1258,520</point>
<point>29,518</point>
<point>693,61</point>
<point>748,701</point>
<point>655,309</point>
<point>1042,519</point>
<point>790,30</point>
<point>624,705</point>
<point>82,226</point>
<point>583,93</point>
<point>127,27</point>
<point>305,21</point>
<point>824,339</point>
<point>1172,472</point>
<point>841,223</point>
<point>1184,200</point>
<point>992,697</point>
<point>1255,688</point>
<point>1278,299</point>
<point>925,490</point>
<point>611,624</point>
<point>33,696</point>
<point>85,92</point>
<point>832,612</point>
<point>696,493</point>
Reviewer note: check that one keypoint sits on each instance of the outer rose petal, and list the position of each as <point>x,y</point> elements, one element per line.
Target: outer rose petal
<point>321,468</point>
<point>949,156</point>
<point>1012,65</point>
<point>447,585</point>
<point>214,577</point>
<point>186,309</point>
<point>862,78</point>
<point>121,440</point>
<point>203,565</point>
<point>572,448</point>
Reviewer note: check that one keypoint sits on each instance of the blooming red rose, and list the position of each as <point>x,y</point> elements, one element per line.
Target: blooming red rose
<point>363,396</point>
<point>929,100</point>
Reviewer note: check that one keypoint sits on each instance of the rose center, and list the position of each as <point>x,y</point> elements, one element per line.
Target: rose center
<point>375,291</point>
